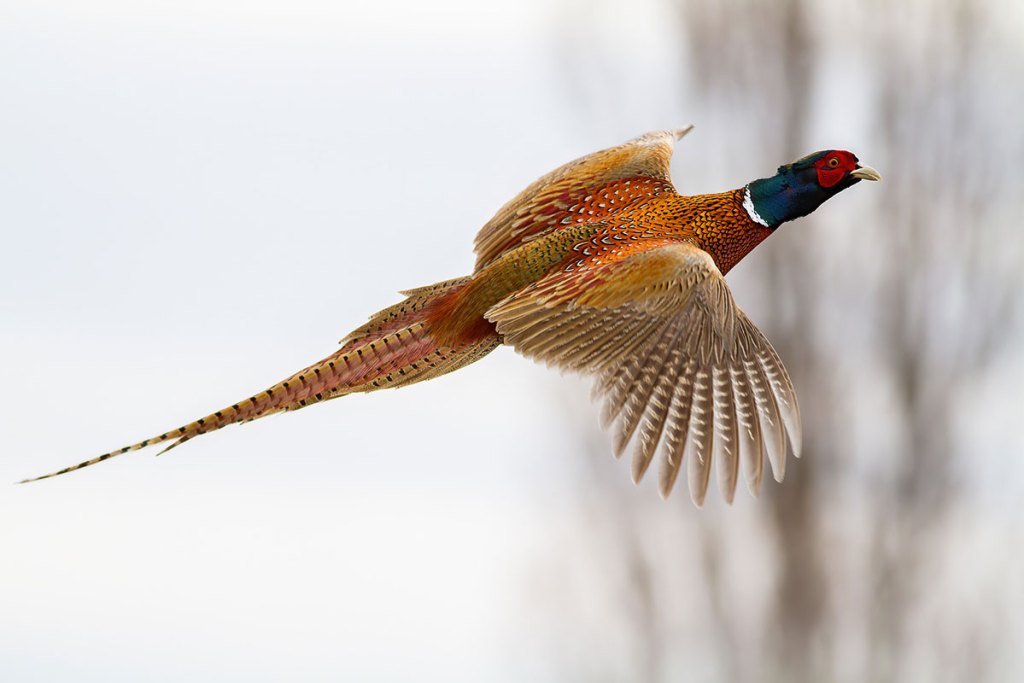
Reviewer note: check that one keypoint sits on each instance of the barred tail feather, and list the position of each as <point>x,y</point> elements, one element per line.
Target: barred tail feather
<point>396,348</point>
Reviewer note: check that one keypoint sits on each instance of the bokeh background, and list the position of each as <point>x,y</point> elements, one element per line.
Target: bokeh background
<point>197,198</point>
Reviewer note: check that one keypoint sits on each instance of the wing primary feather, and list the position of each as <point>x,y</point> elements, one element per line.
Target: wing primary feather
<point>772,433</point>
<point>639,395</point>
<point>726,454</point>
<point>785,395</point>
<point>676,431</point>
<point>653,424</point>
<point>748,429</point>
<point>700,439</point>
<point>614,389</point>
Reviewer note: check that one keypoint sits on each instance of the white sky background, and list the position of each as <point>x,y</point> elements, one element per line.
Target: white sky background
<point>197,199</point>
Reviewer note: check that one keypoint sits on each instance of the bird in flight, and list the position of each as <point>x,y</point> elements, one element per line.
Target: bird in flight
<point>600,267</point>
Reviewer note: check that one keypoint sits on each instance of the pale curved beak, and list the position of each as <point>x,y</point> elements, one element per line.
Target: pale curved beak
<point>865,173</point>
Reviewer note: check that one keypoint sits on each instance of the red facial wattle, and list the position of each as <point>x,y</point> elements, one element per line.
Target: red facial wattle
<point>833,166</point>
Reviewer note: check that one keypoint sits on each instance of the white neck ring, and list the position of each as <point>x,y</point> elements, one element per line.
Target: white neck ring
<point>748,204</point>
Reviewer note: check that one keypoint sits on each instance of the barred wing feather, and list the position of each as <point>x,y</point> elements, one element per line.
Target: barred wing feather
<point>678,365</point>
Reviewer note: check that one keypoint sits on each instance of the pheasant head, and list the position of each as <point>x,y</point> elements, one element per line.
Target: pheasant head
<point>802,186</point>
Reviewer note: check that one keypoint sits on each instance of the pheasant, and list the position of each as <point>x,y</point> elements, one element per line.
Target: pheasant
<point>600,267</point>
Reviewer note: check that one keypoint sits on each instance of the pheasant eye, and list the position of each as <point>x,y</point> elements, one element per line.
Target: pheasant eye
<point>833,162</point>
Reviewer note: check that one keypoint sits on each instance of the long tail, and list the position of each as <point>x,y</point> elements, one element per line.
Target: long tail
<point>395,348</point>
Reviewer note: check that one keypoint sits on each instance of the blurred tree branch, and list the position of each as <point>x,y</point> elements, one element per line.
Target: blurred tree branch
<point>920,301</point>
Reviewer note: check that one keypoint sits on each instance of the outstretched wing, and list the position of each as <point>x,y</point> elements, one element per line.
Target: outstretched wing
<point>574,192</point>
<point>677,363</point>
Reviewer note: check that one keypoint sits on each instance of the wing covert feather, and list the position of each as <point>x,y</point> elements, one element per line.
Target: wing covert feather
<point>559,197</point>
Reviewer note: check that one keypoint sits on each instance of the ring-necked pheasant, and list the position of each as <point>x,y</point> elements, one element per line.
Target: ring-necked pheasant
<point>601,267</point>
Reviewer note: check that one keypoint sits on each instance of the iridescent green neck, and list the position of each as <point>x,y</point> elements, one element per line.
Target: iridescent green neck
<point>783,197</point>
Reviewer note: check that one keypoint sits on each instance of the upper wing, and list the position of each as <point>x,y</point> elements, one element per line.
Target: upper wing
<point>551,200</point>
<point>676,361</point>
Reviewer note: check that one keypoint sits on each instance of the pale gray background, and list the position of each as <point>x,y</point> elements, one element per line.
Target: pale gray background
<point>197,198</point>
